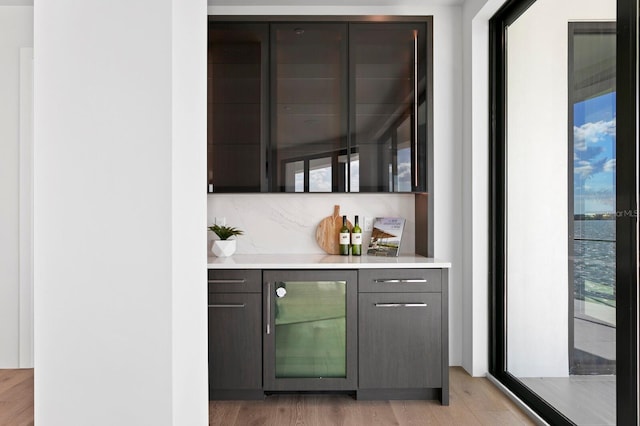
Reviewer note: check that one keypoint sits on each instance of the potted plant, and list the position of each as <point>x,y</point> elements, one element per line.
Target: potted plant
<point>224,247</point>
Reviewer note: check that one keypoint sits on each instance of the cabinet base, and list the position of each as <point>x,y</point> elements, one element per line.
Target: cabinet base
<point>235,394</point>
<point>404,394</point>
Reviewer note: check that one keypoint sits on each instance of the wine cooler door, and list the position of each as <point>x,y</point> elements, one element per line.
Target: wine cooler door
<point>310,332</point>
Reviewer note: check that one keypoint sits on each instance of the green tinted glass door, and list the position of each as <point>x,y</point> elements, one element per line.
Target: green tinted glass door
<point>310,329</point>
<point>310,340</point>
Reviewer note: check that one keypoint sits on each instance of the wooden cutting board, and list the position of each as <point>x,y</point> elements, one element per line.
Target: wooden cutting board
<point>328,230</point>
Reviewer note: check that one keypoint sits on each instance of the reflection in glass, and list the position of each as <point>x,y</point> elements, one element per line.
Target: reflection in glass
<point>236,111</point>
<point>594,225</point>
<point>308,102</point>
<point>294,176</point>
<point>320,175</point>
<point>310,331</point>
<point>388,80</point>
<point>560,208</point>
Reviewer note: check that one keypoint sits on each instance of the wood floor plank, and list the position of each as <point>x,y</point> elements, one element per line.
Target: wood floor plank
<point>473,402</point>
<point>16,397</point>
<point>222,413</point>
<point>412,413</point>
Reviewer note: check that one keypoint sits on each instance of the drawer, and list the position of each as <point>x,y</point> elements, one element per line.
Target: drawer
<point>235,281</point>
<point>399,280</point>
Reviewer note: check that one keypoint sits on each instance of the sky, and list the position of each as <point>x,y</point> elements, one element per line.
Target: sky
<point>594,152</point>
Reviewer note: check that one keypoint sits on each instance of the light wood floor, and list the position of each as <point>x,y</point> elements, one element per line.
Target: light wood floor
<point>474,401</point>
<point>16,397</point>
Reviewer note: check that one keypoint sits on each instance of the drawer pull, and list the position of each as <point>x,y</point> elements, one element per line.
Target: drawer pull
<point>401,281</point>
<point>400,305</point>
<point>231,281</point>
<point>228,305</point>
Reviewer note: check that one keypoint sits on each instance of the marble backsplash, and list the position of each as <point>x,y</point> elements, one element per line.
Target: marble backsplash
<point>286,223</point>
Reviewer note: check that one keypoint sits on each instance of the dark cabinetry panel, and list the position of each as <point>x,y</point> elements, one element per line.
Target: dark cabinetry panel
<point>236,110</point>
<point>309,106</point>
<point>235,338</point>
<point>235,281</point>
<point>380,332</point>
<point>319,106</point>
<point>235,341</point>
<point>388,81</point>
<point>403,334</point>
<point>401,339</point>
<point>400,280</point>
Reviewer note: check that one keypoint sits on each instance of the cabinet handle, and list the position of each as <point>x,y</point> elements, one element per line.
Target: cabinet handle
<point>401,281</point>
<point>228,305</point>
<point>400,305</point>
<point>269,308</point>
<point>230,281</point>
<point>415,108</point>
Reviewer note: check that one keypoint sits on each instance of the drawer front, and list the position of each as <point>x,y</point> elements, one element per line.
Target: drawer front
<point>399,280</point>
<point>400,340</point>
<point>235,281</point>
<point>235,341</point>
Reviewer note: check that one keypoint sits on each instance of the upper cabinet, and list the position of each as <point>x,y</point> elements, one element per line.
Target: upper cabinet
<point>319,106</point>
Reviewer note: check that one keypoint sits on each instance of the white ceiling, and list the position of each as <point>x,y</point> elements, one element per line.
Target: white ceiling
<point>291,2</point>
<point>16,2</point>
<point>330,2</point>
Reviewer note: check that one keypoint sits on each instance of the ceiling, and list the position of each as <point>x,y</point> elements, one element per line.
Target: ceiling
<point>331,2</point>
<point>293,2</point>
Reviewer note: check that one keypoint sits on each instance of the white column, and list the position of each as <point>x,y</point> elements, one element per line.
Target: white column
<point>120,212</point>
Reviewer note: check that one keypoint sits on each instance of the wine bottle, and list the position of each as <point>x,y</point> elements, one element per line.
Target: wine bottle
<point>344,237</point>
<point>356,239</point>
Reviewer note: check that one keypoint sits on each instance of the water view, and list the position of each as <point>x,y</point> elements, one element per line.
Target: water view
<point>594,261</point>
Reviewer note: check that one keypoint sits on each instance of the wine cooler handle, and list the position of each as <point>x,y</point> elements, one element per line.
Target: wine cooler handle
<point>406,281</point>
<point>269,308</point>
<point>400,305</point>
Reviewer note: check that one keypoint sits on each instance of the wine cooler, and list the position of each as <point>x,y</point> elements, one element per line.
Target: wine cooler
<point>310,334</point>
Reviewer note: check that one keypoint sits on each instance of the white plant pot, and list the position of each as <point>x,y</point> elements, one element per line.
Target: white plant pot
<point>223,248</point>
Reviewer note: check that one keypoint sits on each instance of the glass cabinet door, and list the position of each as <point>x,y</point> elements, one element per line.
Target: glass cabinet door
<point>388,84</point>
<point>309,107</point>
<point>319,106</point>
<point>236,112</point>
<point>310,330</point>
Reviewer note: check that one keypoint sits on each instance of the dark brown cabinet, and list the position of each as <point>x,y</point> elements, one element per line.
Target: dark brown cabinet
<point>388,83</point>
<point>319,106</point>
<point>381,333</point>
<point>235,334</point>
<point>237,119</point>
<point>403,335</point>
<point>309,107</point>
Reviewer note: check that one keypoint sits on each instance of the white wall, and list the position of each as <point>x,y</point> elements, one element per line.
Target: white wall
<point>475,340</point>
<point>537,270</point>
<point>16,23</point>
<point>120,130</point>
<point>447,162</point>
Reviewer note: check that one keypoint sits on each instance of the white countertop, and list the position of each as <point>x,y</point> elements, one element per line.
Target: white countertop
<point>322,261</point>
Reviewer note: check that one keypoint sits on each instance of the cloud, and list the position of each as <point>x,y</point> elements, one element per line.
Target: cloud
<point>320,180</point>
<point>588,158</point>
<point>592,133</point>
<point>610,166</point>
<point>404,176</point>
<point>587,168</point>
